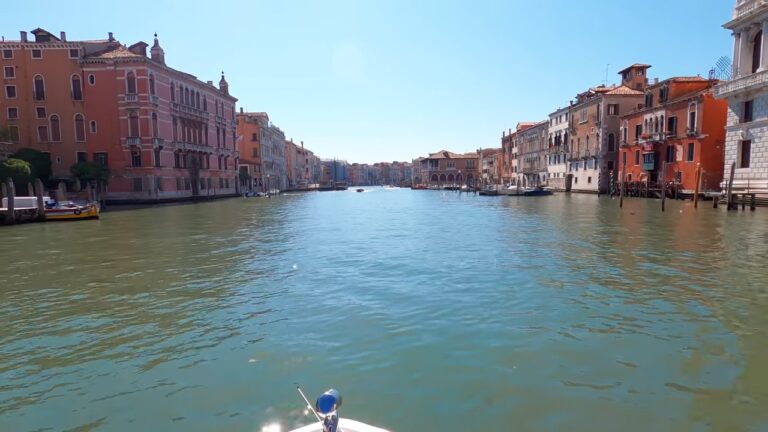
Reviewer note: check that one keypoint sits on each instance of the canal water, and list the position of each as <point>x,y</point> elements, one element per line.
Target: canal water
<point>429,310</point>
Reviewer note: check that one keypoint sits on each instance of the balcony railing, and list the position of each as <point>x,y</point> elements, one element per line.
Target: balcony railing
<point>158,142</point>
<point>133,141</point>
<point>748,82</point>
<point>154,99</point>
<point>189,110</point>
<point>131,97</point>
<point>746,6</point>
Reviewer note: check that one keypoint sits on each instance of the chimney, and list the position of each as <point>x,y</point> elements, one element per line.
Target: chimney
<point>63,36</point>
<point>23,36</point>
<point>111,37</point>
<point>241,108</point>
<point>210,83</point>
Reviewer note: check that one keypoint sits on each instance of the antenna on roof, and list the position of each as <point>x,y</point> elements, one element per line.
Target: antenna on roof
<point>608,65</point>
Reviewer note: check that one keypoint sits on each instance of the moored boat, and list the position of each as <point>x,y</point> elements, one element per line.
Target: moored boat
<point>489,190</point>
<point>537,191</point>
<point>361,190</point>
<point>69,210</point>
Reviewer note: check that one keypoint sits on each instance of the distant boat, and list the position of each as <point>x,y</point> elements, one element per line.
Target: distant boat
<point>69,210</point>
<point>489,190</point>
<point>514,191</point>
<point>361,190</point>
<point>340,185</point>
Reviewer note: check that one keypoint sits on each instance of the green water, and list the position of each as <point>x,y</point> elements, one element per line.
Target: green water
<point>428,310</point>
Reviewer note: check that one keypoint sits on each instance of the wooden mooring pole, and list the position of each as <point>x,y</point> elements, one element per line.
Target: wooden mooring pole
<point>698,186</point>
<point>622,184</point>
<point>663,185</point>
<point>732,205</point>
<point>10,218</point>
<point>38,186</point>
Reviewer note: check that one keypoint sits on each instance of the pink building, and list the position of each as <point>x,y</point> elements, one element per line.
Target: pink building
<point>164,134</point>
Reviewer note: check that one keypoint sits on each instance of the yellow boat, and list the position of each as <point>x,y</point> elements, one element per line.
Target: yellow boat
<point>69,210</point>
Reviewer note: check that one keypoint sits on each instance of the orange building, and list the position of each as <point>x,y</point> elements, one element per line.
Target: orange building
<point>163,134</point>
<point>44,96</point>
<point>679,126</point>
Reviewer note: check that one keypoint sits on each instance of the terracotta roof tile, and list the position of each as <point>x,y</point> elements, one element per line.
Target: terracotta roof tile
<point>624,91</point>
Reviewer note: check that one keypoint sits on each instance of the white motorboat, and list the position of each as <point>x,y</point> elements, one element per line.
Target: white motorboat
<point>514,191</point>
<point>325,411</point>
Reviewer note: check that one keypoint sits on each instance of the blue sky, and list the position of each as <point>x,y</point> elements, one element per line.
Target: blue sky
<point>393,79</point>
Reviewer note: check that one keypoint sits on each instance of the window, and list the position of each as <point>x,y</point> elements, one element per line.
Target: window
<point>689,153</point>
<point>197,100</point>
<point>81,156</point>
<point>79,128</point>
<point>629,177</point>
<point>692,120</point>
<point>583,116</point>
<point>177,160</point>
<point>663,94</point>
<point>13,113</point>
<point>40,111</point>
<point>13,133</point>
<point>745,152</point>
<point>157,157</point>
<point>757,49</point>
<point>42,133</point>
<point>254,137</point>
<point>609,165</point>
<point>92,79</point>
<point>624,158</point>
<point>589,180</point>
<point>37,54</point>
<point>55,128</point>
<point>38,92</point>
<point>151,84</point>
<point>672,126</point>
<point>101,158</point>
<point>130,83</point>
<point>205,103</point>
<point>648,99</point>
<point>747,117</point>
<point>74,53</point>
<point>611,143</point>
<point>613,109</point>
<point>9,72</point>
<point>135,158</point>
<point>7,54</point>
<point>77,88</point>
<point>93,126</point>
<point>155,131</point>
<point>133,124</point>
<point>186,97</point>
<point>10,91</point>
<point>173,92</point>
<point>638,131</point>
<point>670,153</point>
<point>637,157</point>
<point>137,184</point>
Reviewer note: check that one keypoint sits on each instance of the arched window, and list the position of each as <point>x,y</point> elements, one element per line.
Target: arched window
<point>611,143</point>
<point>205,103</point>
<point>155,131</point>
<point>133,124</point>
<point>55,128</point>
<point>77,88</point>
<point>79,128</point>
<point>151,84</point>
<point>656,124</point>
<point>661,123</point>
<point>173,93</point>
<point>197,101</point>
<point>93,126</point>
<point>186,97</point>
<point>38,93</point>
<point>130,83</point>
<point>757,49</point>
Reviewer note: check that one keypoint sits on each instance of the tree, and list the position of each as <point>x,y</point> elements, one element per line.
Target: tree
<point>17,169</point>
<point>39,162</point>
<point>90,172</point>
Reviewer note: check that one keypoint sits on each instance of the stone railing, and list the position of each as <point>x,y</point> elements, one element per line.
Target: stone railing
<point>189,110</point>
<point>133,141</point>
<point>131,97</point>
<point>742,83</point>
<point>746,6</point>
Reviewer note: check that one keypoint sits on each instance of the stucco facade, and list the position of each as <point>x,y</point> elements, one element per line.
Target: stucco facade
<point>557,167</point>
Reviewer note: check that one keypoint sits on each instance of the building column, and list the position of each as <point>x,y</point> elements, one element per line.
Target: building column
<point>764,48</point>
<point>744,54</point>
<point>736,46</point>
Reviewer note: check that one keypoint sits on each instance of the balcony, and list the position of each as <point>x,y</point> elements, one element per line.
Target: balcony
<point>743,84</point>
<point>189,111</point>
<point>158,142</point>
<point>133,141</point>
<point>132,98</point>
<point>747,6</point>
<point>154,99</point>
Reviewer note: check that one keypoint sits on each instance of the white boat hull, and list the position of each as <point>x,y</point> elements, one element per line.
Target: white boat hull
<point>345,425</point>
